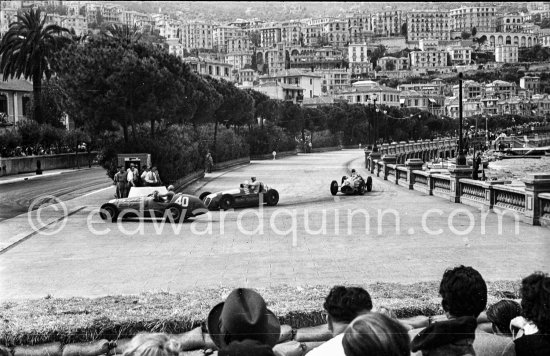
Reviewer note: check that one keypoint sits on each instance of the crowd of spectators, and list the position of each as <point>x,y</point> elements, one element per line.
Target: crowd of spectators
<point>39,150</point>
<point>243,325</point>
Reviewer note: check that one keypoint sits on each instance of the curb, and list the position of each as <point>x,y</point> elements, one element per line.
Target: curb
<point>27,236</point>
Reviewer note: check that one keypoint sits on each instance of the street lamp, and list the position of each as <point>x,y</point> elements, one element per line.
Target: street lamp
<point>375,147</point>
<point>460,158</point>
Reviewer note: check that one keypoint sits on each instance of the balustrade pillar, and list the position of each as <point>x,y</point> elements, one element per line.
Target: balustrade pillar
<point>373,157</point>
<point>457,173</point>
<point>535,184</point>
<point>413,164</point>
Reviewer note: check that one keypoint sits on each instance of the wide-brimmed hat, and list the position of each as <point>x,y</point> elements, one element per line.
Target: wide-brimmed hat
<point>243,315</point>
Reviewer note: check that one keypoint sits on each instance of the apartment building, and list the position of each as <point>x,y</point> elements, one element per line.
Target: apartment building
<point>7,16</point>
<point>309,82</point>
<point>428,24</point>
<point>311,34</point>
<point>510,23</point>
<point>428,59</point>
<point>460,55</point>
<point>363,92</point>
<point>215,69</point>
<point>291,33</point>
<point>392,63</point>
<point>239,59</point>
<point>470,89</point>
<point>501,89</point>
<point>270,36</point>
<point>506,53</point>
<point>357,53</point>
<point>334,80</point>
<point>388,23</point>
<point>238,44</point>
<point>336,33</point>
<point>221,35</point>
<point>197,34</point>
<point>465,18</point>
<point>530,83</point>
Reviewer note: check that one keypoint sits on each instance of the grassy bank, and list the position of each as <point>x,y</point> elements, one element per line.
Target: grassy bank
<point>31,322</point>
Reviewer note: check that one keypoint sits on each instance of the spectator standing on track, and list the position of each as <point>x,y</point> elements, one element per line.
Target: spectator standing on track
<point>242,325</point>
<point>463,297</point>
<point>152,344</point>
<point>376,334</point>
<point>209,163</point>
<point>156,177</point>
<point>120,181</point>
<point>146,175</point>
<point>132,176</point>
<point>342,305</point>
<point>532,330</point>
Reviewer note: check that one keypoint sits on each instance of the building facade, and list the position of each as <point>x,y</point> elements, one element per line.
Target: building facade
<point>428,24</point>
<point>506,54</point>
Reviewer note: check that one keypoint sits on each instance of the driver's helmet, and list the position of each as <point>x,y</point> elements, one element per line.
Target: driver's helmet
<point>253,179</point>
<point>170,187</point>
<point>156,195</point>
<point>353,171</point>
<point>246,182</point>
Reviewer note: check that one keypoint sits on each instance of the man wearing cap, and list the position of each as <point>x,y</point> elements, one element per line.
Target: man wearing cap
<point>242,325</point>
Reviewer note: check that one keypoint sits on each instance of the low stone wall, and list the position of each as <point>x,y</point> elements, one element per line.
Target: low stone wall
<point>270,156</point>
<point>188,179</point>
<point>231,163</point>
<point>17,165</point>
<point>326,149</point>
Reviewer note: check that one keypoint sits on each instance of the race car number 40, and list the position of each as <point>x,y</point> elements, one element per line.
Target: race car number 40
<point>183,201</point>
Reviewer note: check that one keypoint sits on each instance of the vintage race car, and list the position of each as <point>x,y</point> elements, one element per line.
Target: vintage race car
<point>240,198</point>
<point>350,186</point>
<point>181,206</point>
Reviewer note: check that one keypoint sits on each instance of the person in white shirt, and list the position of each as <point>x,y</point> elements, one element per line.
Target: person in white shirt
<point>132,176</point>
<point>342,305</point>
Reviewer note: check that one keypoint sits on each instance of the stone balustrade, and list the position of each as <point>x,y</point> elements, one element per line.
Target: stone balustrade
<point>425,150</point>
<point>532,204</point>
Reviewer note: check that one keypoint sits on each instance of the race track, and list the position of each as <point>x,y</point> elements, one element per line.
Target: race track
<point>310,238</point>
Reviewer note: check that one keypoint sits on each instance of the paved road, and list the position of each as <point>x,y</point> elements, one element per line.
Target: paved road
<point>311,238</point>
<point>15,198</point>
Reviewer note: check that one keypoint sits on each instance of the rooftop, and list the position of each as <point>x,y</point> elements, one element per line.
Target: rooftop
<point>16,85</point>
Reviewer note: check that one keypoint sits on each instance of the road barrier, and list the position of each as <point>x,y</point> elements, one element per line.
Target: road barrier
<point>16,165</point>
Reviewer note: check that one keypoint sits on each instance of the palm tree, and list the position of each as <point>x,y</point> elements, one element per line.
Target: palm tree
<point>124,33</point>
<point>27,49</point>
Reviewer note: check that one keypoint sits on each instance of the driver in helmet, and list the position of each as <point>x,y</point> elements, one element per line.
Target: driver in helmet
<point>167,197</point>
<point>244,187</point>
<point>254,185</point>
<point>354,179</point>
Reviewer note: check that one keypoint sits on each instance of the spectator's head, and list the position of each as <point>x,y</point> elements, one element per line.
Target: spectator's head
<point>463,292</point>
<point>157,344</point>
<point>376,334</point>
<point>343,304</point>
<point>535,297</point>
<point>120,168</point>
<point>132,165</point>
<point>170,188</point>
<point>243,315</point>
<point>501,313</point>
<point>154,169</point>
<point>253,179</point>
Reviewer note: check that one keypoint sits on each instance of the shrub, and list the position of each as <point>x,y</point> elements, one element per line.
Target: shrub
<point>324,139</point>
<point>9,140</point>
<point>230,145</point>
<point>269,139</point>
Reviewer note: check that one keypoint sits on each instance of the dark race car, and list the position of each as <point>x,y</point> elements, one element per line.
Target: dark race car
<point>180,206</point>
<point>350,185</point>
<point>240,198</point>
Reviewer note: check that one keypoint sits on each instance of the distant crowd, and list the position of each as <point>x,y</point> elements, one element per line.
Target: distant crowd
<point>133,177</point>
<point>243,325</point>
<point>39,150</point>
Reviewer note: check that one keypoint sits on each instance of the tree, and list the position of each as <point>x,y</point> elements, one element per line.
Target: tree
<point>378,53</point>
<point>390,65</point>
<point>27,49</point>
<point>474,32</point>
<point>404,30</point>
<point>465,35</point>
<point>255,38</point>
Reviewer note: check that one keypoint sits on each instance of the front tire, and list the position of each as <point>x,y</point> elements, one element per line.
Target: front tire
<point>108,211</point>
<point>227,201</point>
<point>369,184</point>
<point>272,197</point>
<point>334,187</point>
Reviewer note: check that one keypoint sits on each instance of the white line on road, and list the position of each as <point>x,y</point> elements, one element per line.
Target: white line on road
<point>96,191</point>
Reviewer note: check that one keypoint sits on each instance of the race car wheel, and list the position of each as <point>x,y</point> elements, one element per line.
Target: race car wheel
<point>272,197</point>
<point>369,184</point>
<point>173,212</point>
<point>361,190</point>
<point>204,195</point>
<point>108,211</point>
<point>334,187</point>
<point>227,201</point>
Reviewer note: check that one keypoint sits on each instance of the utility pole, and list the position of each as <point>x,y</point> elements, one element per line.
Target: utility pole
<point>460,158</point>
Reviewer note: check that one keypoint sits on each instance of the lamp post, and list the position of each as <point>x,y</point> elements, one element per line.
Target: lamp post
<point>460,158</point>
<point>375,147</point>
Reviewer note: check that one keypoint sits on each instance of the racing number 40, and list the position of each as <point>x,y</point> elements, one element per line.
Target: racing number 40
<point>183,201</point>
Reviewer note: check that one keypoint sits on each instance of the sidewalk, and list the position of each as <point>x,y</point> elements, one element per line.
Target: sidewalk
<point>26,176</point>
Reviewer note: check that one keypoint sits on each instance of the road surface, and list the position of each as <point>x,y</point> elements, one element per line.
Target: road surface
<point>311,238</point>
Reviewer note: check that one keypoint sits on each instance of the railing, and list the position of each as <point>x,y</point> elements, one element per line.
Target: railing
<point>420,178</point>
<point>442,183</point>
<point>401,174</point>
<point>509,198</point>
<point>474,190</point>
<point>391,170</point>
<point>405,147</point>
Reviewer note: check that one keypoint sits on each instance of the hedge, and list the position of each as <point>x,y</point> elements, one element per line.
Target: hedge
<point>70,320</point>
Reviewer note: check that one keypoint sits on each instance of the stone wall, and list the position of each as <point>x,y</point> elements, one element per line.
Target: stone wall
<point>17,165</point>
